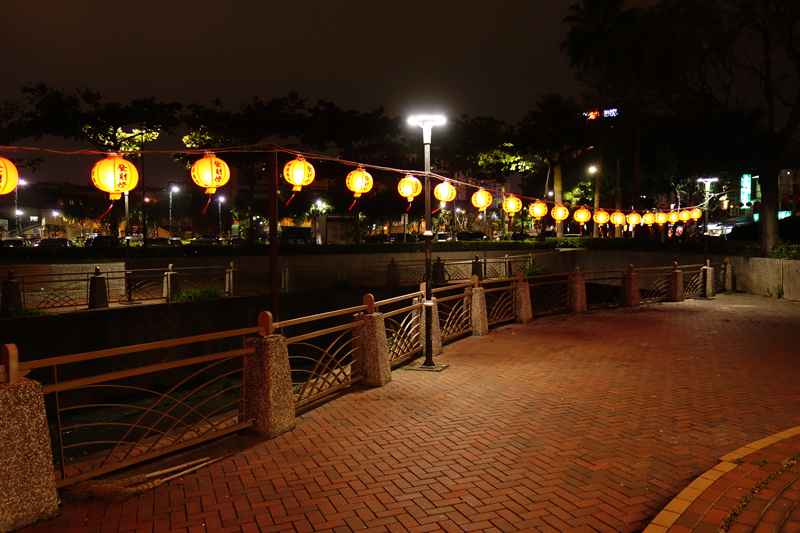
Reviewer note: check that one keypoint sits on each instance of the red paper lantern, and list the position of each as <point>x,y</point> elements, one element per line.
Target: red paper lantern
<point>298,173</point>
<point>359,181</point>
<point>409,187</point>
<point>559,213</point>
<point>481,199</point>
<point>512,205</point>
<point>9,176</point>
<point>444,192</point>
<point>537,209</point>
<point>601,217</point>
<point>115,176</point>
<point>210,172</point>
<point>618,218</point>
<point>582,215</point>
<point>633,218</point>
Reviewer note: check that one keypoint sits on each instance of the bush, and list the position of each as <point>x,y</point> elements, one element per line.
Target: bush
<point>785,250</point>
<point>20,311</point>
<point>535,270</point>
<point>203,293</point>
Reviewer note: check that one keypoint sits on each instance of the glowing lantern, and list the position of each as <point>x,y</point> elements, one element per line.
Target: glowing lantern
<point>601,217</point>
<point>481,199</point>
<point>210,172</point>
<point>298,173</point>
<point>537,209</point>
<point>512,205</point>
<point>684,215</point>
<point>444,192</point>
<point>409,187</point>
<point>582,215</point>
<point>661,218</point>
<point>115,176</point>
<point>649,219</point>
<point>9,176</point>
<point>618,218</point>
<point>633,218</point>
<point>696,214</point>
<point>673,217</point>
<point>559,213</point>
<point>359,181</point>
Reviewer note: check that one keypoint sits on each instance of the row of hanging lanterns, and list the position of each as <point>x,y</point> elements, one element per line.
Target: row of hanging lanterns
<point>560,213</point>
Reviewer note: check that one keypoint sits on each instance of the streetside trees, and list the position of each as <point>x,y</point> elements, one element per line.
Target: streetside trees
<point>734,65</point>
<point>551,132</point>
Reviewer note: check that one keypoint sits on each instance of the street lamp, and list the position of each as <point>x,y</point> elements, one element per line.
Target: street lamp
<point>427,122</point>
<point>174,188</point>
<point>707,182</point>
<point>17,212</point>
<point>221,199</point>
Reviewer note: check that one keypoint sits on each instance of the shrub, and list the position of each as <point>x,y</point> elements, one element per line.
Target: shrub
<point>20,311</point>
<point>535,270</point>
<point>202,293</point>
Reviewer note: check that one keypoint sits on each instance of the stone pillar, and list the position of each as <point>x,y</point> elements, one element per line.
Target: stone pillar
<point>480,317</point>
<point>233,283</point>
<point>436,329</point>
<point>675,285</point>
<point>576,292</point>
<point>438,272</point>
<point>172,285</point>
<point>477,268</point>
<point>12,293</point>
<point>98,295</point>
<point>522,301</point>
<point>269,400</point>
<point>709,290</point>
<point>629,291</point>
<point>27,487</point>
<point>372,351</point>
<point>393,274</point>
<point>728,275</point>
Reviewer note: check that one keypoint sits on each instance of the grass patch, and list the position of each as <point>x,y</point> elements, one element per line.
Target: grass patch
<point>203,293</point>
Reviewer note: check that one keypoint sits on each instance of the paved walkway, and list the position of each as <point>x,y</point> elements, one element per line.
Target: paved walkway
<point>586,423</point>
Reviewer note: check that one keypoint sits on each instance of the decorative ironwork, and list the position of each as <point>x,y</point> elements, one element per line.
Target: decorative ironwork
<point>403,335</point>
<point>693,283</point>
<point>500,304</point>
<point>318,370</point>
<point>549,297</point>
<point>657,291</point>
<point>603,293</point>
<point>720,277</point>
<point>60,295</point>
<point>454,315</point>
<point>143,290</point>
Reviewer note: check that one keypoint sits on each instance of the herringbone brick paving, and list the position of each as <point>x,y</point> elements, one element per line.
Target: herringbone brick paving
<point>572,423</point>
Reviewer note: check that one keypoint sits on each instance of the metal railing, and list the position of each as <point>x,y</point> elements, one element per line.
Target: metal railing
<point>692,279</point>
<point>463,269</point>
<point>402,317</point>
<point>548,293</point>
<point>454,303</point>
<point>658,289</point>
<point>603,288</point>
<point>500,297</point>
<point>102,418</point>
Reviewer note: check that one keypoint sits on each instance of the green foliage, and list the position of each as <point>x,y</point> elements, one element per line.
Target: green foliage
<point>21,311</point>
<point>785,250</point>
<point>535,270</point>
<point>777,292</point>
<point>202,293</point>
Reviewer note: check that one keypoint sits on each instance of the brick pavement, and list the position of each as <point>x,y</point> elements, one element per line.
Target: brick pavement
<point>587,423</point>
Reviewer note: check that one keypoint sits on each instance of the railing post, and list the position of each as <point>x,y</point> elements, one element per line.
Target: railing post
<point>371,357</point>
<point>233,285</point>
<point>479,313</point>
<point>269,400</point>
<point>9,360</point>
<point>629,290</point>
<point>506,267</point>
<point>438,272</point>
<point>436,330</point>
<point>709,290</point>
<point>172,285</point>
<point>675,287</point>
<point>523,311</point>
<point>728,275</point>
<point>12,293</point>
<point>393,273</point>
<point>577,292</point>
<point>28,491</point>
<point>98,295</point>
<point>476,268</point>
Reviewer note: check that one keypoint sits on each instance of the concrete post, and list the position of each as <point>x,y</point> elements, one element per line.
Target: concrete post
<point>393,274</point>
<point>371,348</point>
<point>233,284</point>
<point>479,314</point>
<point>27,487</point>
<point>172,285</point>
<point>576,292</point>
<point>98,295</point>
<point>728,275</point>
<point>269,399</point>
<point>629,291</point>
<point>522,301</point>
<point>436,329</point>
<point>12,293</point>
<point>675,285</point>
<point>709,290</point>
<point>438,272</point>
<point>477,269</point>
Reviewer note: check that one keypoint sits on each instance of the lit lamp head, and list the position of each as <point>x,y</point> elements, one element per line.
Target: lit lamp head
<point>426,122</point>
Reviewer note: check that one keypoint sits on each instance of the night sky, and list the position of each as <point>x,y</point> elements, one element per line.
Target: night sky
<point>446,56</point>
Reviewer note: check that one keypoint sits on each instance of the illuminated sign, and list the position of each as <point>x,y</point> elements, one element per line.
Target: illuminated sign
<point>605,113</point>
<point>781,215</point>
<point>746,190</point>
<point>610,113</point>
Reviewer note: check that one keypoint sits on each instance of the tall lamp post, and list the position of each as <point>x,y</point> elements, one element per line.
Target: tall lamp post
<point>17,212</point>
<point>173,189</point>
<point>221,199</point>
<point>707,182</point>
<point>427,122</point>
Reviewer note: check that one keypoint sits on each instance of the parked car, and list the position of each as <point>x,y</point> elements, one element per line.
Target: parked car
<point>14,242</point>
<point>175,241</point>
<point>54,243</point>
<point>104,241</point>
<point>157,241</point>
<point>444,236</point>
<point>471,236</point>
<point>237,240</point>
<point>206,239</point>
